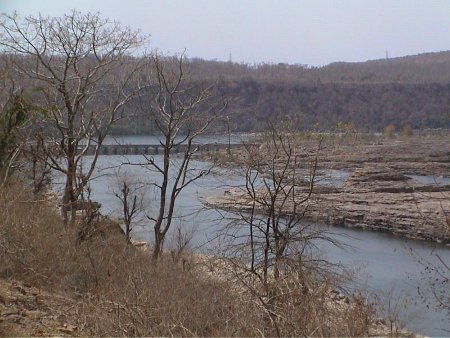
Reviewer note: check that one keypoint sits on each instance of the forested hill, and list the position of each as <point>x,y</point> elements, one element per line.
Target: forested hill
<point>406,91</point>
<point>368,107</point>
<point>422,68</point>
<point>411,91</point>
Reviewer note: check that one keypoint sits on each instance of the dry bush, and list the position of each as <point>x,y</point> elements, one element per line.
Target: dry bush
<point>120,291</point>
<point>35,247</point>
<point>164,300</point>
<point>303,302</point>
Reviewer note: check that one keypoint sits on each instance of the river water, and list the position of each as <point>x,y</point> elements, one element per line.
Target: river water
<point>387,265</point>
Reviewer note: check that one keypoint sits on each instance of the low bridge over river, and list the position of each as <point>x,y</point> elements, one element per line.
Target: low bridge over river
<point>156,149</point>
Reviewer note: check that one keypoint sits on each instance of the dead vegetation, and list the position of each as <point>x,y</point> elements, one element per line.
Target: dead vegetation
<point>120,291</point>
<point>104,286</point>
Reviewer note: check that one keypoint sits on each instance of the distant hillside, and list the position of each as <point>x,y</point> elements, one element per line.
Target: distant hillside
<point>369,107</point>
<point>412,90</point>
<point>407,91</point>
<point>422,68</point>
<point>424,58</point>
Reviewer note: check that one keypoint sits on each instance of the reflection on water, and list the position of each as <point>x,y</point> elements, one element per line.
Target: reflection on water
<point>386,260</point>
<point>201,139</point>
<point>433,180</point>
<point>332,177</point>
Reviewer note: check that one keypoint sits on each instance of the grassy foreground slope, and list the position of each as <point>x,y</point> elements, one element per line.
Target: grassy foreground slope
<point>52,284</point>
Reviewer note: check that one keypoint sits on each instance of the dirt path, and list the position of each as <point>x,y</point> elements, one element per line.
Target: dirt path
<point>28,311</point>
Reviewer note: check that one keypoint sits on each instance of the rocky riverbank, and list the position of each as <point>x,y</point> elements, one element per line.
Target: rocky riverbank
<point>401,187</point>
<point>383,199</point>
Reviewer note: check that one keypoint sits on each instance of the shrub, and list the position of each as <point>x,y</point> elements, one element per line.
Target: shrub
<point>389,131</point>
<point>117,290</point>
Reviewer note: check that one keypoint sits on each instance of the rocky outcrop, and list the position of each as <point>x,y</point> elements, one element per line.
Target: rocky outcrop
<point>373,198</point>
<point>416,156</point>
<point>417,216</point>
<point>398,186</point>
<point>386,179</point>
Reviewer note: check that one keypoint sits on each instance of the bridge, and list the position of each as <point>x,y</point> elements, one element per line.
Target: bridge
<point>157,149</point>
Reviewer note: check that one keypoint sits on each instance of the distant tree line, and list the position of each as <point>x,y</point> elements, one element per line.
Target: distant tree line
<point>368,107</point>
<point>322,107</point>
<point>412,91</point>
<point>422,68</point>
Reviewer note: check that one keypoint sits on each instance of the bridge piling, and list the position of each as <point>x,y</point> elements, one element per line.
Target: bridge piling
<point>140,149</point>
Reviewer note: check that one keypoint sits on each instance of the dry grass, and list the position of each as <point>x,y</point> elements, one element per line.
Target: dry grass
<point>121,291</point>
<point>304,302</point>
<point>118,291</point>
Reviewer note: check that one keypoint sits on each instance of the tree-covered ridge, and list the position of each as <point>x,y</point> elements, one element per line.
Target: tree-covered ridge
<point>409,91</point>
<point>367,107</point>
<point>422,68</point>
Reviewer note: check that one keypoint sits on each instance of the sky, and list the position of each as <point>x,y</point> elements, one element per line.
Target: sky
<point>312,32</point>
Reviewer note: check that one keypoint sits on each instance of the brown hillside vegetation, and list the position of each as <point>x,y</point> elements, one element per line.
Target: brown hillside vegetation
<point>113,288</point>
<point>31,311</point>
<point>421,68</point>
<point>405,91</point>
<point>408,91</point>
<point>53,285</point>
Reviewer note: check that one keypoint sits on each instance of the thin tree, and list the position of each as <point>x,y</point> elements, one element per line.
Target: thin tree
<point>80,69</point>
<point>36,155</point>
<point>269,245</point>
<point>181,112</point>
<point>130,193</point>
<point>279,181</point>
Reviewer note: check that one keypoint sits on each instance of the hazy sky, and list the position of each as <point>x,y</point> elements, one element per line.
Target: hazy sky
<point>313,32</point>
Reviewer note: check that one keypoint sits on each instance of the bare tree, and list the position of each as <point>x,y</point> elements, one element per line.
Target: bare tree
<point>130,193</point>
<point>181,112</point>
<point>279,181</point>
<point>269,246</point>
<point>80,66</point>
<point>37,156</point>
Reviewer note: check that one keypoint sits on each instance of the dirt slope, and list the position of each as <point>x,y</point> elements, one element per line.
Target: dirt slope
<point>28,311</point>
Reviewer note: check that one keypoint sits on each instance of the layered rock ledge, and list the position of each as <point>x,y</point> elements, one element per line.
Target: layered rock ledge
<point>373,197</point>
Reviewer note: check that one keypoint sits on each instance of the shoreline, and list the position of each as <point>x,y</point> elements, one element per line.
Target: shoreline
<point>346,210</point>
<point>400,187</point>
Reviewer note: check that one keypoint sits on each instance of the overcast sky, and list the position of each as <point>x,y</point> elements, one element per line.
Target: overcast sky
<point>314,32</point>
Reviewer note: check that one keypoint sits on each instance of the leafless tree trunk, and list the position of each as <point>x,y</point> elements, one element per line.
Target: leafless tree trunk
<point>269,245</point>
<point>130,194</point>
<point>79,63</point>
<point>278,191</point>
<point>181,112</point>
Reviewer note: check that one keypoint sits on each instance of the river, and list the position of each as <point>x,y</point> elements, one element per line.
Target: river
<point>387,264</point>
